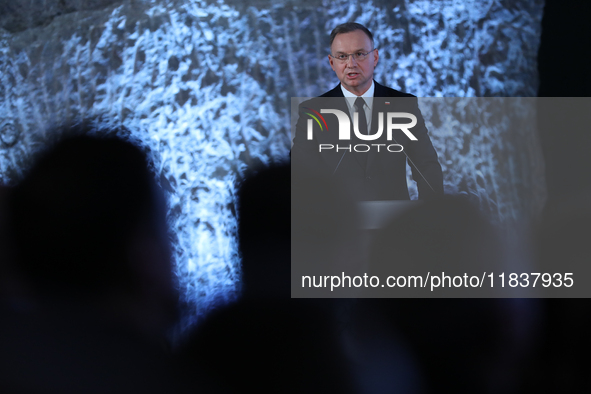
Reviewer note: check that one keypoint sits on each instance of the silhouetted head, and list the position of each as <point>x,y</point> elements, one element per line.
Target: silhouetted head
<point>88,236</point>
<point>325,237</point>
<point>264,231</point>
<point>88,221</point>
<point>291,224</point>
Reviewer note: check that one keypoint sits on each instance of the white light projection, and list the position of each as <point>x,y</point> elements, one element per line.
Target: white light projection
<point>207,87</point>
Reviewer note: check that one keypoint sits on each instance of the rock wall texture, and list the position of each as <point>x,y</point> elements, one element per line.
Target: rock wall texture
<point>206,86</point>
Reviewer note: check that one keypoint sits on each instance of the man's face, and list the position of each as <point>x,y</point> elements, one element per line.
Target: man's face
<point>355,76</point>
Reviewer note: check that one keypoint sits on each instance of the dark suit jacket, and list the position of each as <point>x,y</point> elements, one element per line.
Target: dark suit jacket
<point>378,176</point>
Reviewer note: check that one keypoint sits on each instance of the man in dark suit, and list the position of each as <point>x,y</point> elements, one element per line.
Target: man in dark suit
<point>372,165</point>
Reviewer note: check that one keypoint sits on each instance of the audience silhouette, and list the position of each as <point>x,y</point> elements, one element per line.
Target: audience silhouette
<point>86,230</point>
<point>87,290</point>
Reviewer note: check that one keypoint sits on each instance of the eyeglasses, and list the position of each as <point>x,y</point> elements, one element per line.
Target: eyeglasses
<point>358,56</point>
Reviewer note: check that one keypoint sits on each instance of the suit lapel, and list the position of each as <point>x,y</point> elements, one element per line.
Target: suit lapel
<point>377,107</point>
<point>336,92</point>
<point>335,103</point>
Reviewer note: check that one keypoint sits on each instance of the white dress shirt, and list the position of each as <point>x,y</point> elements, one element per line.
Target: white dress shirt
<point>367,97</point>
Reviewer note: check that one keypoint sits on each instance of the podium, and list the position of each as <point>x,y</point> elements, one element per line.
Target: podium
<point>374,215</point>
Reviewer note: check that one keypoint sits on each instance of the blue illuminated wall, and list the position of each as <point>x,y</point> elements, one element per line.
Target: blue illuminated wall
<point>207,86</point>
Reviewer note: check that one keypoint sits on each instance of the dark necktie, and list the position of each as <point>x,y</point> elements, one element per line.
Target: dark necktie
<point>359,103</point>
